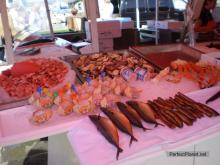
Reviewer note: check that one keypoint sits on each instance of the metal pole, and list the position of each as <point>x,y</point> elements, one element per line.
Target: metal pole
<point>156,22</point>
<point>137,15</point>
<point>7,33</point>
<point>49,18</point>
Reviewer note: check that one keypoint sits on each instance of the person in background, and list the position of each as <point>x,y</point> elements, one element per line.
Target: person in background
<point>116,4</point>
<point>35,20</point>
<point>74,11</point>
<point>206,23</point>
<point>18,16</point>
<point>106,9</point>
<point>2,49</point>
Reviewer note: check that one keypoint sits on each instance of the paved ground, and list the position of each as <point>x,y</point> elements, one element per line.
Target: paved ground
<point>16,154</point>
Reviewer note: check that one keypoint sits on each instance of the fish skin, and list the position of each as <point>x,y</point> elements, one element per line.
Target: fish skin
<point>173,118</point>
<point>145,112</point>
<point>131,114</point>
<point>207,108</point>
<point>164,118</point>
<point>195,105</point>
<point>167,112</point>
<point>108,130</point>
<point>184,118</point>
<point>120,121</point>
<point>208,111</point>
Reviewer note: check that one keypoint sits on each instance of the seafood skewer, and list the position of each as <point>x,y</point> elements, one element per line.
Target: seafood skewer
<point>199,106</point>
<point>145,112</point>
<point>120,122</point>
<point>190,109</point>
<point>131,114</point>
<point>165,116</point>
<point>174,112</point>
<point>108,130</point>
<point>187,101</point>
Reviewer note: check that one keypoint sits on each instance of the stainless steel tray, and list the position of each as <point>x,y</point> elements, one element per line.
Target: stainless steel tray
<point>160,56</point>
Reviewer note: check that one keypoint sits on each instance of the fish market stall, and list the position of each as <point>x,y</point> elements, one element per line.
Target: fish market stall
<point>130,90</point>
<point>142,105</point>
<point>110,80</point>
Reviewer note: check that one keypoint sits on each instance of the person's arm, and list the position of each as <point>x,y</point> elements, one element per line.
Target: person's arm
<point>211,26</point>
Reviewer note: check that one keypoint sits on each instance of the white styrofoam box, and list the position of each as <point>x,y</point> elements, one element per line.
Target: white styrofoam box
<point>106,49</point>
<point>109,29</point>
<point>165,24</point>
<point>170,24</point>
<point>106,29</point>
<point>151,23</point>
<point>105,45</point>
<point>107,42</point>
<point>125,22</point>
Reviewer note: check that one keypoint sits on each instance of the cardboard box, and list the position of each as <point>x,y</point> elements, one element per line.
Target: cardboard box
<point>106,42</point>
<point>166,24</point>
<point>151,23</point>
<point>106,29</point>
<point>125,22</point>
<point>106,49</point>
<point>105,45</point>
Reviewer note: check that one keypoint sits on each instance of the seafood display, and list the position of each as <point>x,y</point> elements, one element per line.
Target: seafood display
<point>111,63</point>
<point>22,81</point>
<point>203,73</point>
<point>120,121</point>
<point>43,98</point>
<point>173,112</point>
<point>105,92</point>
<point>85,98</point>
<point>180,110</point>
<point>108,130</point>
<point>161,74</point>
<point>109,89</point>
<point>131,114</point>
<point>41,116</point>
<point>214,97</point>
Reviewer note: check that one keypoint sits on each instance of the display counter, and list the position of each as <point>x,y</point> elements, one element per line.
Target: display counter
<point>208,47</point>
<point>25,130</point>
<point>77,134</point>
<point>84,139</point>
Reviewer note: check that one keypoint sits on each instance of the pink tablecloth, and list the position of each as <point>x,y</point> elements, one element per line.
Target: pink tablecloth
<point>90,146</point>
